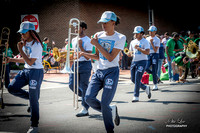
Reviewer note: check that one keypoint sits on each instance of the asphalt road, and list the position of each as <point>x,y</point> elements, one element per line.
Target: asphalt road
<point>174,108</point>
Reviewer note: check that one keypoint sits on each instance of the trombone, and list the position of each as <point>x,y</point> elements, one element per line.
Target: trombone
<point>3,47</point>
<point>74,24</point>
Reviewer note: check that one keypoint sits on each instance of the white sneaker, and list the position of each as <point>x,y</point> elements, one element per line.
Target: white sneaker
<point>33,130</point>
<point>155,87</point>
<point>79,98</point>
<point>115,115</point>
<point>148,91</point>
<point>83,112</point>
<point>135,99</point>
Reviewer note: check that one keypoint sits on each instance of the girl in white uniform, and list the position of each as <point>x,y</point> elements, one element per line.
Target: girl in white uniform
<point>108,45</point>
<point>32,74</point>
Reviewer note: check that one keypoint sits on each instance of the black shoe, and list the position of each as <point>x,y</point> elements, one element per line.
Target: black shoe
<point>149,95</point>
<point>155,89</point>
<point>82,114</point>
<point>29,109</point>
<point>117,118</point>
<point>133,101</point>
<point>159,81</point>
<point>148,92</point>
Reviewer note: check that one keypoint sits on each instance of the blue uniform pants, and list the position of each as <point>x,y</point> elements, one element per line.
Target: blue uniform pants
<point>170,67</point>
<point>153,61</point>
<point>33,78</point>
<point>137,70</point>
<point>85,68</point>
<point>108,80</point>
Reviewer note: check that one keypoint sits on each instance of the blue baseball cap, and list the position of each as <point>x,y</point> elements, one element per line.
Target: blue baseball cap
<point>138,29</point>
<point>152,28</point>
<point>26,26</point>
<point>107,16</point>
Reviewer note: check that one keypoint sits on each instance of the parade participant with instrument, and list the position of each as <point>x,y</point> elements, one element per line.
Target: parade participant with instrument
<point>84,67</point>
<point>154,55</point>
<point>4,43</point>
<point>108,45</point>
<point>32,74</point>
<point>140,47</point>
<point>190,37</point>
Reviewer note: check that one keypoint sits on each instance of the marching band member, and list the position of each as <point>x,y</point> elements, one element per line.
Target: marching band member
<point>84,67</point>
<point>32,74</point>
<point>140,47</point>
<point>154,55</point>
<point>108,45</point>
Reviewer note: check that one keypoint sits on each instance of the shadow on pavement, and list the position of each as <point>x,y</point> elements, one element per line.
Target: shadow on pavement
<point>169,102</point>
<point>135,119</point>
<point>100,117</point>
<point>54,82</point>
<point>17,104</point>
<point>119,102</point>
<point>179,91</point>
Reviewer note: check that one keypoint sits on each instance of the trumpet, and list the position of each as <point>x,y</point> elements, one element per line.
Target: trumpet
<point>127,52</point>
<point>74,24</point>
<point>3,47</point>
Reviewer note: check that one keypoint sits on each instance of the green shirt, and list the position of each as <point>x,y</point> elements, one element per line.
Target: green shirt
<point>179,46</point>
<point>44,48</point>
<point>9,52</point>
<point>94,51</point>
<point>179,61</point>
<point>188,39</point>
<point>170,45</point>
<point>70,46</point>
<point>197,41</point>
<point>125,44</point>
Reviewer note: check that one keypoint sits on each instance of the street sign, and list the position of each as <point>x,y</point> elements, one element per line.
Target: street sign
<point>31,18</point>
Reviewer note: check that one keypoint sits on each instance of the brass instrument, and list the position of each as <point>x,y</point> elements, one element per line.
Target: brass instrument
<point>126,51</point>
<point>192,49</point>
<point>61,55</point>
<point>55,53</point>
<point>74,24</point>
<point>3,47</point>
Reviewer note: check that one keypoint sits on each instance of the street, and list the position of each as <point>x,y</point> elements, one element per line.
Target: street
<point>174,108</point>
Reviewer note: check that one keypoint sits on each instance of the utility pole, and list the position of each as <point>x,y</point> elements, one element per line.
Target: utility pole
<point>150,14</point>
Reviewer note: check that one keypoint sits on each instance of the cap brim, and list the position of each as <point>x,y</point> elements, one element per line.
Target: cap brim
<point>151,30</point>
<point>136,32</point>
<point>103,20</point>
<point>22,31</point>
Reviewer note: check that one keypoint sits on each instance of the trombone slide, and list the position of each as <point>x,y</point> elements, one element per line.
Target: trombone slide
<point>75,24</point>
<point>3,43</point>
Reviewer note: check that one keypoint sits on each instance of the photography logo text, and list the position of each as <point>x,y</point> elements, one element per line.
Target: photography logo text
<point>176,123</point>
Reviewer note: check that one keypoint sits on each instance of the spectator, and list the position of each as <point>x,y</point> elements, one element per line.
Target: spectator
<point>45,43</point>
<point>191,37</point>
<point>161,58</point>
<point>169,53</point>
<point>165,39</point>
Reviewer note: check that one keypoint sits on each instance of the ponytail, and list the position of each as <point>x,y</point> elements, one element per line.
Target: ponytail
<point>118,20</point>
<point>35,36</point>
